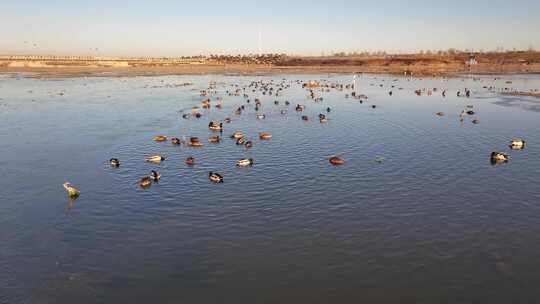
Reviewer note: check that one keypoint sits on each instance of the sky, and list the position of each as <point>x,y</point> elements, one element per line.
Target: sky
<point>181,28</point>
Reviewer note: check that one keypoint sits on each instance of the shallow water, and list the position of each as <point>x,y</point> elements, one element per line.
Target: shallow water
<point>434,223</point>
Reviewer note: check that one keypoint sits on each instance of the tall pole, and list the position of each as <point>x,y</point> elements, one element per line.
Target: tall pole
<point>260,41</point>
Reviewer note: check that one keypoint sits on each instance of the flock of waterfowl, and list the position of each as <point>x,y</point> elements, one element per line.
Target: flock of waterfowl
<point>269,89</point>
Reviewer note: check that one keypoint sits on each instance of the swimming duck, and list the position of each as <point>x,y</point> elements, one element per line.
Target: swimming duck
<point>300,108</point>
<point>145,182</point>
<point>227,120</point>
<point>328,110</point>
<point>160,138</point>
<point>195,142</point>
<point>287,103</point>
<point>214,139</point>
<point>265,135</point>
<point>305,118</point>
<point>215,126</point>
<point>248,144</point>
<point>156,159</point>
<point>276,102</point>
<point>336,161</point>
<point>245,162</point>
<point>439,114</point>
<point>186,116</point>
<point>240,141</point>
<point>283,112</point>
<point>198,115</point>
<point>155,176</point>
<point>260,116</point>
<point>322,118</point>
<point>190,161</point>
<point>237,135</point>
<point>114,162</point>
<point>71,190</point>
<point>215,177</point>
<point>517,144</point>
<point>499,157</point>
<point>373,106</point>
<point>475,121</point>
<point>176,141</point>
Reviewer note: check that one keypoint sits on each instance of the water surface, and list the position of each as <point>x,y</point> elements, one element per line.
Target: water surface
<point>434,223</point>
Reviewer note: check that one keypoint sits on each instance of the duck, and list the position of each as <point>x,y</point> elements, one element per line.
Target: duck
<point>71,190</point>
<point>155,176</point>
<point>195,142</point>
<point>265,135</point>
<point>160,138</point>
<point>373,106</point>
<point>305,118</point>
<point>227,120</point>
<point>215,126</point>
<point>237,135</point>
<point>499,157</point>
<point>176,141</point>
<point>287,103</point>
<point>439,114</point>
<point>328,110</point>
<point>260,116</point>
<point>248,144</point>
<point>198,115</point>
<point>283,112</point>
<point>190,161</point>
<point>115,163</point>
<point>300,108</point>
<point>186,116</point>
<point>156,159</point>
<point>517,144</point>
<point>245,162</point>
<point>215,177</point>
<point>214,139</point>
<point>145,182</point>
<point>336,161</point>
<point>240,141</point>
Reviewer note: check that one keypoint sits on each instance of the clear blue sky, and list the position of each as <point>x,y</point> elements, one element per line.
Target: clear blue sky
<point>171,28</point>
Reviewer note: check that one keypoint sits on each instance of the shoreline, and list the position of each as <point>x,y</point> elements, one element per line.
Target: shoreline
<point>254,70</point>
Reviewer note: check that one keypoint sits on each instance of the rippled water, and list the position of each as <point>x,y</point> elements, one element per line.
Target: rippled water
<point>434,223</point>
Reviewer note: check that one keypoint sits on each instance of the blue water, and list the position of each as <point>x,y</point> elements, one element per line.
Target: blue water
<point>435,222</point>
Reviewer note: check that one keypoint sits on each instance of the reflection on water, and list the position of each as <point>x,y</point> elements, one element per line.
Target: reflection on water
<point>416,214</point>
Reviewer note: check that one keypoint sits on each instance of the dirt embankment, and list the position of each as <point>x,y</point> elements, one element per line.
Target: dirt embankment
<point>489,63</point>
<point>514,62</point>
